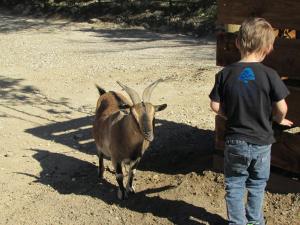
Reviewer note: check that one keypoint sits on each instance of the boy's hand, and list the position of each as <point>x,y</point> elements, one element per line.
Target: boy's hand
<point>215,106</point>
<point>286,122</point>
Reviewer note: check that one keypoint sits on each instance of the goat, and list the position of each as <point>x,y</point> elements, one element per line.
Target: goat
<point>123,130</point>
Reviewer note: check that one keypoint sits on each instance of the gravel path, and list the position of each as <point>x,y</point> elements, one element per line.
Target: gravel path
<point>47,162</point>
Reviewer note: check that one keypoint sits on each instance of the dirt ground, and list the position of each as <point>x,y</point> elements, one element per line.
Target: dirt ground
<point>48,167</point>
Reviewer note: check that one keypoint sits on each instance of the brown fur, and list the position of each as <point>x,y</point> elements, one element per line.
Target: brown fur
<point>122,134</point>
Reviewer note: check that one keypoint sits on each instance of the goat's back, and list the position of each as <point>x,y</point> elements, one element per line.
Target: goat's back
<point>107,110</point>
<point>109,103</point>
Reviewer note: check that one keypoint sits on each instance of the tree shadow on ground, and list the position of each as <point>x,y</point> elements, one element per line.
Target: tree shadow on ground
<point>137,39</point>
<point>69,175</point>
<point>15,23</point>
<point>14,95</point>
<point>10,23</point>
<point>136,35</point>
<point>180,17</point>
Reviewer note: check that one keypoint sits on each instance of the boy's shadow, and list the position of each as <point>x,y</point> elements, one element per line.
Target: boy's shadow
<point>68,175</point>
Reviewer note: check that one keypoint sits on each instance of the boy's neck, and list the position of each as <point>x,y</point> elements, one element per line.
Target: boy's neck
<point>252,57</point>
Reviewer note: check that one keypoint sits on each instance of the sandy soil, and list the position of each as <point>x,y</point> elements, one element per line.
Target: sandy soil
<point>48,169</point>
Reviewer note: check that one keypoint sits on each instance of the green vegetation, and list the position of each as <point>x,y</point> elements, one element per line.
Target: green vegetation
<point>195,16</point>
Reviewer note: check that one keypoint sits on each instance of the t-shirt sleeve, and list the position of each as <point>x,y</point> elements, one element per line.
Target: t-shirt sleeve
<point>215,94</point>
<point>279,90</point>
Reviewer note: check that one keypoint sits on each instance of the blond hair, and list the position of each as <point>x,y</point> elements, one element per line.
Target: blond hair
<point>255,35</point>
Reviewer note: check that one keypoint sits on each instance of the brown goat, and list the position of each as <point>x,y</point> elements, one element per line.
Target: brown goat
<point>123,130</point>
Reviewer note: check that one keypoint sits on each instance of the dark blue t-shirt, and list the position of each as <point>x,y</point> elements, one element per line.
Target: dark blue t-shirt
<point>246,92</point>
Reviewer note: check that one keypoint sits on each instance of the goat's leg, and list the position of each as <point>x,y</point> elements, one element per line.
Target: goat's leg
<point>101,166</point>
<point>132,171</point>
<point>119,176</point>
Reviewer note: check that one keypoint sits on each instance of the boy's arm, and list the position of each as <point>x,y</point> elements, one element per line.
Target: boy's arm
<point>215,106</point>
<point>279,113</point>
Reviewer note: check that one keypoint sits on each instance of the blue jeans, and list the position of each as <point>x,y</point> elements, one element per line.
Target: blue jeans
<point>247,166</point>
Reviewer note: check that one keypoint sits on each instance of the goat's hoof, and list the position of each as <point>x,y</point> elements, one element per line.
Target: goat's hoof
<point>122,195</point>
<point>100,178</point>
<point>100,174</point>
<point>130,190</point>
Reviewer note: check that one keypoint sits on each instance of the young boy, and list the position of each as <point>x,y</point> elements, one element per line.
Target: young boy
<point>249,95</point>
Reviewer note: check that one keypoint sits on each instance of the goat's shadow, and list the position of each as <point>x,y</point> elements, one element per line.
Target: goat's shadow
<point>177,148</point>
<point>75,133</point>
<point>68,175</point>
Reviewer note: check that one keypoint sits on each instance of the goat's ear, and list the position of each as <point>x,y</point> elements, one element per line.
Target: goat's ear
<point>160,107</point>
<point>124,106</point>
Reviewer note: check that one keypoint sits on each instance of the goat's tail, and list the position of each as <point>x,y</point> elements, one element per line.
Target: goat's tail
<point>100,90</point>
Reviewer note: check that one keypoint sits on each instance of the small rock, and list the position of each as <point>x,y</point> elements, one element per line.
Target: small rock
<point>155,177</point>
<point>94,20</point>
<point>8,154</point>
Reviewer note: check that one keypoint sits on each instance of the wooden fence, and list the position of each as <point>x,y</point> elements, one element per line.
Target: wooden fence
<point>283,15</point>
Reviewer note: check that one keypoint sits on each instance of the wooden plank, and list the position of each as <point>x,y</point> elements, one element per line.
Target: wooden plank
<point>285,58</point>
<point>219,133</point>
<point>280,13</point>
<point>286,152</point>
<point>227,52</point>
<point>293,101</point>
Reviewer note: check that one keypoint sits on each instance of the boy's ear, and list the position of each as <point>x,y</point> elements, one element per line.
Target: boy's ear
<point>160,107</point>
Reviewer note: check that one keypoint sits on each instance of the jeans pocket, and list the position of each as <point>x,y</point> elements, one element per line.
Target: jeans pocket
<point>235,158</point>
<point>235,164</point>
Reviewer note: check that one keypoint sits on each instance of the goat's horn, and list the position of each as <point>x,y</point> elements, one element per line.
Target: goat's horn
<point>148,90</point>
<point>135,98</point>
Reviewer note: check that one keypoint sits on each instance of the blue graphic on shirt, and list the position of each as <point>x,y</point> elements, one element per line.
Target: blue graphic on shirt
<point>246,75</point>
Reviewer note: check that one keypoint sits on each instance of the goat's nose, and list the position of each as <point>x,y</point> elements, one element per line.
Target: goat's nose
<point>149,136</point>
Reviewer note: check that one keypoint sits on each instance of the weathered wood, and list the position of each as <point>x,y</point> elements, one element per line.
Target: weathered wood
<point>285,58</point>
<point>227,51</point>
<point>285,152</point>
<point>280,13</point>
<point>293,101</point>
<point>219,132</point>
